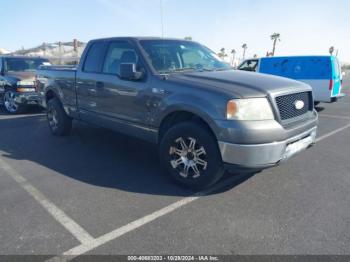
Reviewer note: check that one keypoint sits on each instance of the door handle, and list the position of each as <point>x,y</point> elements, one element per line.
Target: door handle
<point>100,84</point>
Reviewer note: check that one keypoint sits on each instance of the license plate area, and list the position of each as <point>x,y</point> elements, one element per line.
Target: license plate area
<point>298,146</point>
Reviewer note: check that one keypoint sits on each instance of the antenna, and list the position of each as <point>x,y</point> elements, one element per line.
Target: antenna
<point>161,17</point>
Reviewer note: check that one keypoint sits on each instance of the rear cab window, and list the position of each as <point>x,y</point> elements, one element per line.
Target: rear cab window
<point>94,57</point>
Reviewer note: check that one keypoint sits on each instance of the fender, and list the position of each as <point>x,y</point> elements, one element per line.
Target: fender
<point>202,108</point>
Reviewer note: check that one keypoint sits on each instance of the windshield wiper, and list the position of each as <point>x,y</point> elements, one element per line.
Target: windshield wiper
<point>176,70</point>
<point>223,69</point>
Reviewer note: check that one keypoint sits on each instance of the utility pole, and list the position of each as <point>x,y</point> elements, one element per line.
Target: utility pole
<point>60,52</point>
<point>161,17</point>
<point>44,49</point>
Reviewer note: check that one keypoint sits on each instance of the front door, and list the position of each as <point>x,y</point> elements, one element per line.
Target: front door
<point>123,99</point>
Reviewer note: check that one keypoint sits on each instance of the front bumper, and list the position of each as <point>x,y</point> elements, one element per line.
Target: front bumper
<point>31,98</point>
<point>260,156</point>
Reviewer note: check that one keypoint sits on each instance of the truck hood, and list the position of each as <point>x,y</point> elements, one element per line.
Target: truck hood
<point>21,75</point>
<point>240,83</point>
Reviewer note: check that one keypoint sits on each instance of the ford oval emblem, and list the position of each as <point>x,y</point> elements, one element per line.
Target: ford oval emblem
<point>299,104</point>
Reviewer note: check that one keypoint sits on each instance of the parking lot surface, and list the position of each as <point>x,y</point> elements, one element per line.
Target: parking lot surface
<point>98,192</point>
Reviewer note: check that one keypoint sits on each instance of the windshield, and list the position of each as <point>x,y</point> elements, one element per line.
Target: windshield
<point>169,56</point>
<point>14,64</point>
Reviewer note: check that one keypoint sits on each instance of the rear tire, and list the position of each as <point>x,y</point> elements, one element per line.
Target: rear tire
<point>59,122</point>
<point>190,155</point>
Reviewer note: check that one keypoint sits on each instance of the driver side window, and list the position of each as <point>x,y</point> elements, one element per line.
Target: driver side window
<point>119,52</point>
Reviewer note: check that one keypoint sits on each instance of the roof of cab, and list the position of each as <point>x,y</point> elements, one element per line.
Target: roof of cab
<point>140,38</point>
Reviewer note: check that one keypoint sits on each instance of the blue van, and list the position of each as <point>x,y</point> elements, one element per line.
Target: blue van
<point>322,73</point>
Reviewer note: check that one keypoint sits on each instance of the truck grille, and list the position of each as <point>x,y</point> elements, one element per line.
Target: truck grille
<point>287,108</point>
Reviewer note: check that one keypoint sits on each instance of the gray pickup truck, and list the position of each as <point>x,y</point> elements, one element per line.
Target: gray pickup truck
<point>204,116</point>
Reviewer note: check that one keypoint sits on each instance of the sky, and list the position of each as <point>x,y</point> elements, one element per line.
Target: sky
<point>307,27</point>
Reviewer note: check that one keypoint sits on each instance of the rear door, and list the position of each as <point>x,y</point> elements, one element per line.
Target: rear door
<point>90,82</point>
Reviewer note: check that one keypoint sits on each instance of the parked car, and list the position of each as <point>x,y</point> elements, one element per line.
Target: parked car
<point>322,73</point>
<point>204,116</point>
<point>17,82</point>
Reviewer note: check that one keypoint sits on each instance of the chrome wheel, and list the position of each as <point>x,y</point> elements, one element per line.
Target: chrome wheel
<point>52,118</point>
<point>188,157</point>
<point>9,102</point>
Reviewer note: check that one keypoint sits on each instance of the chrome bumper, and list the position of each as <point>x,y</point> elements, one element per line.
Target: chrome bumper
<point>28,98</point>
<point>265,155</point>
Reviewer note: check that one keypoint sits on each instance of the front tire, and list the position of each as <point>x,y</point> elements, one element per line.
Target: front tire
<point>190,155</point>
<point>11,106</point>
<point>59,122</point>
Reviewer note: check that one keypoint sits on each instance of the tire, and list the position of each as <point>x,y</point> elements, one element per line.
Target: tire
<point>59,122</point>
<point>10,105</point>
<point>190,155</point>
<point>316,103</point>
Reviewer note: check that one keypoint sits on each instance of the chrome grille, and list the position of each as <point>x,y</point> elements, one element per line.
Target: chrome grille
<point>286,105</point>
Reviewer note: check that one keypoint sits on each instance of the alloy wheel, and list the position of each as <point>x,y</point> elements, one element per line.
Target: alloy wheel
<point>9,102</point>
<point>188,157</point>
<point>52,118</point>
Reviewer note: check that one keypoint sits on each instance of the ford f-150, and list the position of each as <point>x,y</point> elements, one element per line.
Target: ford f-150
<point>204,116</point>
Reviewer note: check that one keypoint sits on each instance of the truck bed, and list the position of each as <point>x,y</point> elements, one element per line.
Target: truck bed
<point>61,80</point>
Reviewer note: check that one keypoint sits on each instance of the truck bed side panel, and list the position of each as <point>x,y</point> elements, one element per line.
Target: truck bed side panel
<point>62,82</point>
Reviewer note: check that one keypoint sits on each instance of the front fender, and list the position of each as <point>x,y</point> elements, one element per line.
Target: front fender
<point>207,110</point>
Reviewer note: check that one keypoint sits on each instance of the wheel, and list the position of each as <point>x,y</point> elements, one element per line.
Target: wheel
<point>316,103</point>
<point>190,155</point>
<point>59,123</point>
<point>10,104</point>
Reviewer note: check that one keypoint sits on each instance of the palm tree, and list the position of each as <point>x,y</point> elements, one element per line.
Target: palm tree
<point>275,37</point>
<point>233,52</point>
<point>244,46</point>
<point>222,53</point>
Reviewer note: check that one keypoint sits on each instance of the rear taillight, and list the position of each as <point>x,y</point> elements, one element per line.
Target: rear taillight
<point>330,84</point>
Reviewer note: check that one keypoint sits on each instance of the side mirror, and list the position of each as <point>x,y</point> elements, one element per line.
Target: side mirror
<point>128,71</point>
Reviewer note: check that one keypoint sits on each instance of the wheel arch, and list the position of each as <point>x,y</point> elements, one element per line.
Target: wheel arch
<point>177,116</point>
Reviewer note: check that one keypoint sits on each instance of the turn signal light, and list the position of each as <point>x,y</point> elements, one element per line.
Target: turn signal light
<point>231,109</point>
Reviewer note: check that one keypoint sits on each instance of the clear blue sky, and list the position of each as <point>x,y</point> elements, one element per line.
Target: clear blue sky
<point>306,26</point>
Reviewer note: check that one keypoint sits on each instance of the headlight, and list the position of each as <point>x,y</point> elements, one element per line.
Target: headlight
<point>25,83</point>
<point>249,109</point>
<point>25,86</point>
